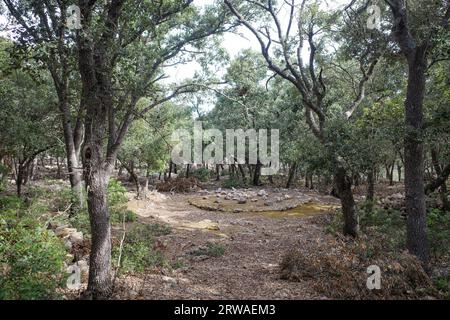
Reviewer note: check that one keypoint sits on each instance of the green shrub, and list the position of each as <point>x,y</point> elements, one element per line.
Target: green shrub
<point>3,175</point>
<point>31,260</point>
<point>116,194</point>
<point>11,206</point>
<point>138,249</point>
<point>117,216</point>
<point>439,232</point>
<point>81,222</point>
<point>211,250</point>
<point>232,183</point>
<point>202,174</point>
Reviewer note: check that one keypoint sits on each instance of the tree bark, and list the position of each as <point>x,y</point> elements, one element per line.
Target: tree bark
<point>344,189</point>
<point>370,186</point>
<point>257,174</point>
<point>292,171</point>
<point>416,56</point>
<point>417,239</point>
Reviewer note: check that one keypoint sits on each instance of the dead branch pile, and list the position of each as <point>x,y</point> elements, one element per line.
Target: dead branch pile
<point>338,269</point>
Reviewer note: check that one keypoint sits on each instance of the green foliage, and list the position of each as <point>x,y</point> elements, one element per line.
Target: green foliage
<point>138,250</point>
<point>31,257</point>
<point>3,174</point>
<point>232,182</point>
<point>116,194</point>
<point>117,201</point>
<point>211,249</point>
<point>443,285</point>
<point>202,174</point>
<point>439,232</point>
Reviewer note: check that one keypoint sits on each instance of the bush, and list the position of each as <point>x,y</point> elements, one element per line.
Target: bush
<point>211,250</point>
<point>138,249</point>
<point>202,174</point>
<point>232,183</point>
<point>116,194</point>
<point>439,232</point>
<point>3,175</point>
<point>31,257</point>
<point>118,216</point>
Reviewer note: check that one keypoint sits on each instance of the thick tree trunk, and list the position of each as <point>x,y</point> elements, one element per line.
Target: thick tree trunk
<point>344,188</point>
<point>417,239</point>
<point>100,277</point>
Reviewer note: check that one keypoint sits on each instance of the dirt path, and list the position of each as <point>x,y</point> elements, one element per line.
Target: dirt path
<point>254,244</point>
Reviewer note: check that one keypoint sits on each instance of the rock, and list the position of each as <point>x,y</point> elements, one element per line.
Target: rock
<point>268,203</point>
<point>254,200</point>
<point>238,210</point>
<point>76,237</point>
<point>64,231</point>
<point>69,258</point>
<point>68,244</point>
<point>278,199</point>
<point>242,201</point>
<point>287,197</point>
<point>262,193</point>
<point>205,198</point>
<point>218,201</point>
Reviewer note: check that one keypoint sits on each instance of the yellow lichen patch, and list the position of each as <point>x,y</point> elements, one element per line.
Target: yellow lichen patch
<point>308,209</point>
<point>210,204</point>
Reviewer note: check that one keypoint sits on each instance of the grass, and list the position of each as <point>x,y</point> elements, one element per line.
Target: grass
<point>138,252</point>
<point>211,249</point>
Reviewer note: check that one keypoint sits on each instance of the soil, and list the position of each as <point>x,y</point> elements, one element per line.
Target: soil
<point>254,245</point>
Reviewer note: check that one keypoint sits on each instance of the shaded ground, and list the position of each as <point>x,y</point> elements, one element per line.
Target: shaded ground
<point>254,244</point>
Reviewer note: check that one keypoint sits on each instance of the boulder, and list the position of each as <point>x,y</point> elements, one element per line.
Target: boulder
<point>76,237</point>
<point>64,231</point>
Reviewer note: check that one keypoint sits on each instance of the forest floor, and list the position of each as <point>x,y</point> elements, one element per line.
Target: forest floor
<point>254,244</point>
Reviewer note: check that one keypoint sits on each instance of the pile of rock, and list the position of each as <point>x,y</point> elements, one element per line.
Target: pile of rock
<point>73,239</point>
<point>70,236</point>
<point>395,201</point>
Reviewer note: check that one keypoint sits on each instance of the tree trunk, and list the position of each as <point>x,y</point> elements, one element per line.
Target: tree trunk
<point>399,172</point>
<point>170,169</point>
<point>439,171</point>
<point>292,171</point>
<point>257,174</point>
<point>58,164</point>
<point>100,277</point>
<point>188,169</point>
<point>306,180</point>
<point>417,239</point>
<point>218,172</point>
<point>344,189</point>
<point>19,179</point>
<point>242,171</point>
<point>370,186</point>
